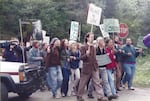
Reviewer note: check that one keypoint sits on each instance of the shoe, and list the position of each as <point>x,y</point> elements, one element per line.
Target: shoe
<point>56,97</point>
<point>131,88</point>
<point>73,93</point>
<point>90,96</point>
<point>63,95</point>
<point>79,98</point>
<point>119,89</point>
<point>113,97</point>
<point>103,99</point>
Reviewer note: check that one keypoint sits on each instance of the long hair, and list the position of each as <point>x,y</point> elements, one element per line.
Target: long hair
<point>87,36</point>
<point>63,45</point>
<point>107,41</point>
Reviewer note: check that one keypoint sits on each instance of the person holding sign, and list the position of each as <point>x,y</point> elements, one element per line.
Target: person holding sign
<point>90,69</point>
<point>102,56</point>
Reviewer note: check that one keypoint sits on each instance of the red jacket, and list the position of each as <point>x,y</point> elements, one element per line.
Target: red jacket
<point>112,58</point>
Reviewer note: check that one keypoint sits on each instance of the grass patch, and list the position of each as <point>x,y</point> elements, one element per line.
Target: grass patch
<point>142,76</point>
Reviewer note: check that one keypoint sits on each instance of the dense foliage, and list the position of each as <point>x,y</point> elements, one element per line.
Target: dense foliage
<point>56,15</point>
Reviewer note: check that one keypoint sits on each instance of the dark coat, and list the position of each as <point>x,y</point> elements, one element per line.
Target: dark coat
<point>89,62</point>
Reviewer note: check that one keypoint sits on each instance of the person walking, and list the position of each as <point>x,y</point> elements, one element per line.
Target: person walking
<point>74,66</point>
<point>53,67</point>
<point>129,62</point>
<point>102,70</point>
<point>64,59</point>
<point>118,54</point>
<point>111,67</point>
<point>90,69</point>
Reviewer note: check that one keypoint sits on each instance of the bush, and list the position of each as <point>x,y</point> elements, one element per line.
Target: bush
<point>142,76</point>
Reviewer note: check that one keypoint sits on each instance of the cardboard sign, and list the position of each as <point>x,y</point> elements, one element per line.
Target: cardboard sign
<point>74,30</point>
<point>103,59</point>
<point>94,15</point>
<point>104,33</point>
<point>111,25</point>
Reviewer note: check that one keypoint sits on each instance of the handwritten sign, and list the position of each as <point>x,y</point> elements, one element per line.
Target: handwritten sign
<point>103,59</point>
<point>74,30</point>
<point>111,25</point>
<point>94,15</point>
<point>104,33</point>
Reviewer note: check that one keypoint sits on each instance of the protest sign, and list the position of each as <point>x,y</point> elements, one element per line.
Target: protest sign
<point>74,30</point>
<point>105,34</point>
<point>103,59</point>
<point>111,25</point>
<point>94,15</point>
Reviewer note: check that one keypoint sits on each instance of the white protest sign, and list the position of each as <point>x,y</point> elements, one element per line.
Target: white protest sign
<point>111,25</point>
<point>45,38</point>
<point>94,15</point>
<point>104,33</point>
<point>74,30</point>
<point>103,59</point>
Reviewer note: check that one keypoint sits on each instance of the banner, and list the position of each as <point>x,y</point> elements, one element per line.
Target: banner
<point>103,59</point>
<point>74,30</point>
<point>105,34</point>
<point>111,25</point>
<point>94,15</point>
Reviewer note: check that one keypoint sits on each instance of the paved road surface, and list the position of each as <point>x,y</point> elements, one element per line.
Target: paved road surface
<point>140,94</point>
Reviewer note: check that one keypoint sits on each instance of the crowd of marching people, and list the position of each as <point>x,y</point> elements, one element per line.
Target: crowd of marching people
<point>73,68</point>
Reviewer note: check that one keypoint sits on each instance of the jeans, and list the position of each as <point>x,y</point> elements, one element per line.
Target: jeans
<point>48,82</point>
<point>55,78</point>
<point>111,78</point>
<point>65,82</point>
<point>129,70</point>
<point>105,84</point>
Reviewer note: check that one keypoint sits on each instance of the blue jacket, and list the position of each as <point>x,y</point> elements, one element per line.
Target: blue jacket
<point>129,49</point>
<point>10,56</point>
<point>74,64</point>
<point>33,56</point>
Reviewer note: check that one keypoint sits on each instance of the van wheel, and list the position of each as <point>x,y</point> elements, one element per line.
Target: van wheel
<point>4,92</point>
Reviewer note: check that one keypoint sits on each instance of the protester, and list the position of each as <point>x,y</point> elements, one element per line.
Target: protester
<point>118,54</point>
<point>129,62</point>
<point>102,70</point>
<point>74,66</point>
<point>43,53</point>
<point>34,57</point>
<point>90,69</point>
<point>53,67</point>
<point>64,58</point>
<point>9,53</point>
<point>21,51</point>
<point>111,66</point>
